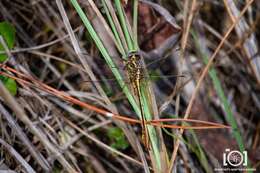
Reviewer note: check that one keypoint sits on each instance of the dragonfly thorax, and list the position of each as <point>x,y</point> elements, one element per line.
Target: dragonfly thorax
<point>134,68</point>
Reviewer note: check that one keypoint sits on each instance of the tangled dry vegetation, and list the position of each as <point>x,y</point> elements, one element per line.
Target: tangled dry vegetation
<point>213,44</point>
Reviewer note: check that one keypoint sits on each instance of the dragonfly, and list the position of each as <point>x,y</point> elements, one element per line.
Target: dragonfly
<point>135,71</point>
<point>136,76</point>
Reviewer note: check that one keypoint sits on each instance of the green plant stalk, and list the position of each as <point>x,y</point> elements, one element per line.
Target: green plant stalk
<point>217,85</point>
<point>151,130</point>
<point>118,76</point>
<point>230,116</point>
<point>113,27</point>
<point>135,22</point>
<point>144,97</point>
<point>133,46</point>
<point>124,25</point>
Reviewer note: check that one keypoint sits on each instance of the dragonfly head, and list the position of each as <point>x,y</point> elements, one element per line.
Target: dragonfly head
<point>133,53</point>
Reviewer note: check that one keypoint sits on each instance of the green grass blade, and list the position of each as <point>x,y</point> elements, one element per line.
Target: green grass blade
<point>217,85</point>
<point>124,25</point>
<point>146,108</point>
<point>221,94</point>
<point>120,80</point>
<point>135,22</point>
<point>113,27</point>
<point>148,116</point>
